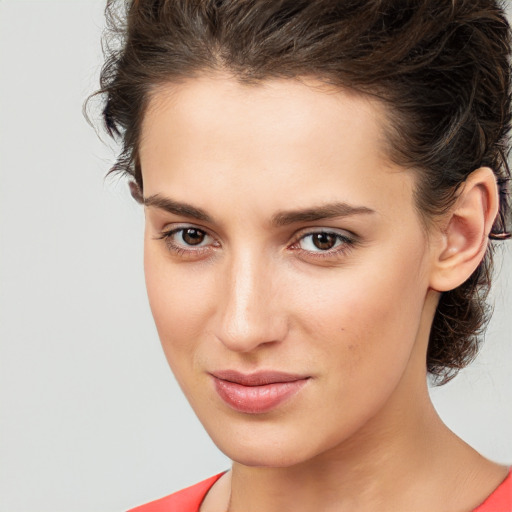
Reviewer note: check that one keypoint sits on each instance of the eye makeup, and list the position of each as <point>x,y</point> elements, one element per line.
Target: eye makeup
<point>192,242</point>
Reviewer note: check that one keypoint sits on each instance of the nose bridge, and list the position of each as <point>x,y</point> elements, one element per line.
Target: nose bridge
<point>249,314</point>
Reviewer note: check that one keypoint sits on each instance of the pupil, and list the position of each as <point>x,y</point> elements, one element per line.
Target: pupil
<point>324,241</point>
<point>193,236</point>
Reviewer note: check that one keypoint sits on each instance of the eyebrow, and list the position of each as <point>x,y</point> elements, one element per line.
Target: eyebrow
<point>280,219</point>
<point>171,206</point>
<point>328,211</point>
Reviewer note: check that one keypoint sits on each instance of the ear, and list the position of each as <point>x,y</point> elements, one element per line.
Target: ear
<point>464,234</point>
<point>136,192</point>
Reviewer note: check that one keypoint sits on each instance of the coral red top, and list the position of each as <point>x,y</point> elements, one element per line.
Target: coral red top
<point>500,500</point>
<point>186,500</point>
<point>189,499</point>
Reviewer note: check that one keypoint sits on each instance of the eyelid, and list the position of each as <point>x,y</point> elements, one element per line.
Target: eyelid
<point>343,233</point>
<point>170,229</point>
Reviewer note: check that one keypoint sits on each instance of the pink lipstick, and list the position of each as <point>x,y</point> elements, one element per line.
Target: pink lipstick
<point>256,393</point>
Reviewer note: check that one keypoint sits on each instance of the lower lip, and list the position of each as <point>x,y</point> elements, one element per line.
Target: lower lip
<point>257,399</point>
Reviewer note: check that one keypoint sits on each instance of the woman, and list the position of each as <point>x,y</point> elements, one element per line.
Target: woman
<point>320,181</point>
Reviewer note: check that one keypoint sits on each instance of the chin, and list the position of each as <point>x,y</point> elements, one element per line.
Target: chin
<point>279,451</point>
<point>264,458</point>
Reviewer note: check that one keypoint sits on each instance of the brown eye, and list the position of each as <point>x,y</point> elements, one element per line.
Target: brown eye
<point>189,242</point>
<point>324,241</point>
<point>192,236</point>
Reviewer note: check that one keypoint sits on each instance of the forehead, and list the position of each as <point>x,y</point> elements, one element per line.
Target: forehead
<point>285,110</point>
<point>216,133</point>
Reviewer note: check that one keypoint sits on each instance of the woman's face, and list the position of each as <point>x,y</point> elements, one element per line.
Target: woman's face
<point>286,266</point>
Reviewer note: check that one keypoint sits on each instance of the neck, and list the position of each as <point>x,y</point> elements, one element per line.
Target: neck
<point>366,471</point>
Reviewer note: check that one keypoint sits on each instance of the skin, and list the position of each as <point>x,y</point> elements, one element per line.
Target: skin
<point>362,433</point>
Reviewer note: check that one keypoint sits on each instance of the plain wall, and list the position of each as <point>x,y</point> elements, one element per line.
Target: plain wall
<point>91,418</point>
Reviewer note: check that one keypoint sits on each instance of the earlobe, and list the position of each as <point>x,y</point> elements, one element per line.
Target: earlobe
<point>464,237</point>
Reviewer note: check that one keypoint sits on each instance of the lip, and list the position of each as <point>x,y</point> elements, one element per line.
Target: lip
<point>259,392</point>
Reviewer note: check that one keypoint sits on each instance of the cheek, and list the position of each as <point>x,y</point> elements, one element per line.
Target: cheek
<point>179,302</point>
<point>366,319</point>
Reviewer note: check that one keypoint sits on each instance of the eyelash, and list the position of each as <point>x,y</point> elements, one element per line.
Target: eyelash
<point>347,243</point>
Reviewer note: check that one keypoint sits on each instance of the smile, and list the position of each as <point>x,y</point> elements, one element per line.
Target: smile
<point>258,392</point>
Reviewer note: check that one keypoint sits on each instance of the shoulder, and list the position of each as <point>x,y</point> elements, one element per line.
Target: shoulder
<point>186,500</point>
<point>501,499</point>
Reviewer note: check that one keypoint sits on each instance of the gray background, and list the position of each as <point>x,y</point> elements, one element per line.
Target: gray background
<point>91,418</point>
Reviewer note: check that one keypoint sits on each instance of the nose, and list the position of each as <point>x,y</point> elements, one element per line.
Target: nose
<point>250,313</point>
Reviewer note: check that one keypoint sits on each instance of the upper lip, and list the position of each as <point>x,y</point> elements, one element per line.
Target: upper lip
<point>257,378</point>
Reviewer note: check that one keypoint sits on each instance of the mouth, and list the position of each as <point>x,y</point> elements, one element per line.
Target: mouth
<point>257,393</point>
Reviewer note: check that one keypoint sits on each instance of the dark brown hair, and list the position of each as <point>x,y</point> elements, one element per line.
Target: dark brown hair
<point>441,67</point>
